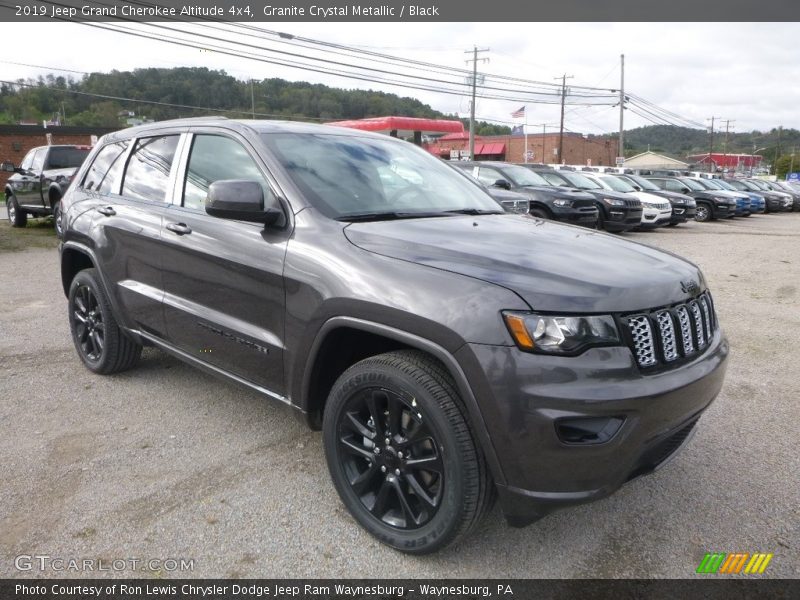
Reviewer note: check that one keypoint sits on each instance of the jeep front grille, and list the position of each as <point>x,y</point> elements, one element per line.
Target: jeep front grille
<point>665,335</point>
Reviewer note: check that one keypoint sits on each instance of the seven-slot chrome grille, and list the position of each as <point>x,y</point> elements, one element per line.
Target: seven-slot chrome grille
<point>665,335</point>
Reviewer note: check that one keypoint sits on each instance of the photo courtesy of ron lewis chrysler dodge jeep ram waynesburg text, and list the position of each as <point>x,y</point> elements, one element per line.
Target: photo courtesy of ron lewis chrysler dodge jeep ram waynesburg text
<point>452,354</point>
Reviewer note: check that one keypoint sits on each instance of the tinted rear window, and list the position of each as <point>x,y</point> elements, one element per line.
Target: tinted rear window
<point>66,158</point>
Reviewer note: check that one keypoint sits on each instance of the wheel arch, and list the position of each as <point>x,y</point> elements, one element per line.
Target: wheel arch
<point>321,372</point>
<point>74,259</point>
<point>54,194</point>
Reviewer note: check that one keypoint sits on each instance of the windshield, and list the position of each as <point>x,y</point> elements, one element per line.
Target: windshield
<point>349,176</point>
<point>712,184</point>
<point>725,185</point>
<point>66,158</point>
<point>692,184</point>
<point>579,181</point>
<point>617,184</point>
<point>523,176</point>
<point>645,184</point>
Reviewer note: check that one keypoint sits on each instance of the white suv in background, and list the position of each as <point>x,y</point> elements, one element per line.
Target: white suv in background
<point>656,211</point>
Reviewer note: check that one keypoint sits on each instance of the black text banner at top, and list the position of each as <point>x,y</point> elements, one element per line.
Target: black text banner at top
<point>387,11</point>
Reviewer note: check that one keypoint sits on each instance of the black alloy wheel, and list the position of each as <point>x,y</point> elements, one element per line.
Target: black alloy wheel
<point>401,454</point>
<point>89,326</point>
<point>100,342</point>
<point>391,458</point>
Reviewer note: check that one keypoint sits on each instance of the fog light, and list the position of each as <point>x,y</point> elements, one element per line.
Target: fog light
<point>585,431</point>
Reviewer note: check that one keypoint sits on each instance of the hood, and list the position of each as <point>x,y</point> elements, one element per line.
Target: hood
<point>672,196</point>
<point>650,198</point>
<point>553,267</point>
<point>557,192</point>
<point>730,194</point>
<point>501,194</point>
<point>611,194</point>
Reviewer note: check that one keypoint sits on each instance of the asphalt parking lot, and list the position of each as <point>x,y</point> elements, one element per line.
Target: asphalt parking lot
<point>166,462</point>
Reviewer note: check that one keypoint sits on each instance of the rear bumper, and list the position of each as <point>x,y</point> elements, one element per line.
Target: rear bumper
<point>525,399</point>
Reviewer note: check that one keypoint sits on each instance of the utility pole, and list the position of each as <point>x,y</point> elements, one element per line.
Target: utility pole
<point>725,143</point>
<point>563,78</point>
<point>252,99</point>
<point>711,146</point>
<point>474,61</point>
<point>777,151</point>
<point>622,106</point>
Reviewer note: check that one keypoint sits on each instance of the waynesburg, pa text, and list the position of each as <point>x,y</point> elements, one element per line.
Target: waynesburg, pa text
<point>266,591</point>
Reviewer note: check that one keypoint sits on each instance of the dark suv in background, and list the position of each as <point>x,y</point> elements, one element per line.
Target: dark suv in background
<point>39,182</point>
<point>450,353</point>
<point>618,212</point>
<point>546,201</point>
<point>710,205</point>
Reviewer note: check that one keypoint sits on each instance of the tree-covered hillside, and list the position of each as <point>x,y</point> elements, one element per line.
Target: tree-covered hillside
<point>682,141</point>
<point>97,99</point>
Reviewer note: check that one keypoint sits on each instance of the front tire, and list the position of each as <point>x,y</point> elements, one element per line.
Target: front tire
<point>101,344</point>
<point>16,216</point>
<point>57,219</point>
<point>401,454</point>
<point>702,213</point>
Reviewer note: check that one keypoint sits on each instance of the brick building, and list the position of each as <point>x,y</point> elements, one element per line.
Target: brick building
<point>600,150</point>
<point>16,140</point>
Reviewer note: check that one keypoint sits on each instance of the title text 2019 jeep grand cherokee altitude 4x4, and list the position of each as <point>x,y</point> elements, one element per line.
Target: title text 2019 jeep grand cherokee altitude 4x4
<point>449,352</point>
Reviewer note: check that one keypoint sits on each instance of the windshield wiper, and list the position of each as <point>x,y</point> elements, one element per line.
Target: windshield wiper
<point>474,211</point>
<point>391,215</point>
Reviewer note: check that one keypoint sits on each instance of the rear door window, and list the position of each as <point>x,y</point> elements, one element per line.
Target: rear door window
<point>104,173</point>
<point>147,174</point>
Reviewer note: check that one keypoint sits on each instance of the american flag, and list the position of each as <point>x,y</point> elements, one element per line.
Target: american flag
<point>518,113</point>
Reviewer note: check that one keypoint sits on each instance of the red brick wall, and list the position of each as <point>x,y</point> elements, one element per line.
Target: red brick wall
<point>27,141</point>
<point>601,150</point>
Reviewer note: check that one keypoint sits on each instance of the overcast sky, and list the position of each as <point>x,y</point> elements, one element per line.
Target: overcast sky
<point>747,72</point>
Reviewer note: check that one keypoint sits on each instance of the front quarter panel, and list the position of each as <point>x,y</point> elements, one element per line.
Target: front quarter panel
<point>335,278</point>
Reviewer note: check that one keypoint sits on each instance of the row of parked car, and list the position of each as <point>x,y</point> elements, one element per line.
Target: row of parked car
<point>618,200</point>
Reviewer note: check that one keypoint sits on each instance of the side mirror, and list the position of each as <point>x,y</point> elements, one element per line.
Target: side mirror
<point>8,167</point>
<point>638,188</point>
<point>685,190</point>
<point>502,184</point>
<point>242,200</point>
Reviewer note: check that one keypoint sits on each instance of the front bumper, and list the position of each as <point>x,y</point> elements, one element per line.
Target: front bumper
<point>523,397</point>
<point>622,218</point>
<point>585,215</point>
<point>682,213</point>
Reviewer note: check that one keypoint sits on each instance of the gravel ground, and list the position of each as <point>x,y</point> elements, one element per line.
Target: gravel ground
<point>166,462</point>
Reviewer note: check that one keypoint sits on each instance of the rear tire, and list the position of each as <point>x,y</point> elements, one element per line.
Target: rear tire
<point>401,453</point>
<point>101,344</point>
<point>16,216</point>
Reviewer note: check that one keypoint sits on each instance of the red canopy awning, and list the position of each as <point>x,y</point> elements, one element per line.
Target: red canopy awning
<point>497,148</point>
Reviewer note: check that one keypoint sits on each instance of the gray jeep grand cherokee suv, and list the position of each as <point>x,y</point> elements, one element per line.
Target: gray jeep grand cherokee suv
<point>450,353</point>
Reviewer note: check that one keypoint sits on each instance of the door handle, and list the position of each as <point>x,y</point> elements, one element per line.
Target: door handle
<point>107,211</point>
<point>179,228</point>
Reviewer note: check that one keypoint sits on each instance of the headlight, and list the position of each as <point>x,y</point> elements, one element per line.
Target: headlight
<point>568,335</point>
<point>562,202</point>
<point>614,202</point>
<point>721,199</point>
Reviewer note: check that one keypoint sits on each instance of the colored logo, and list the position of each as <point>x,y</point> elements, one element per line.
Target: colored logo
<point>734,563</point>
